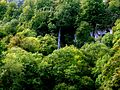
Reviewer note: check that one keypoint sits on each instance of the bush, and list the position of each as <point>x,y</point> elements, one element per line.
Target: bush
<point>107,40</point>
<point>68,66</point>
<point>48,44</point>
<point>20,70</point>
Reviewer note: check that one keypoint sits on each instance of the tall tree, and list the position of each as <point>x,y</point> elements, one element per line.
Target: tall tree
<point>65,17</point>
<point>92,11</point>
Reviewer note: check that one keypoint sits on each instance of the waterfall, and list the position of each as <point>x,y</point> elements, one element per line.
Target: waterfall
<point>91,34</point>
<point>59,35</point>
<point>111,31</point>
<point>75,39</point>
<point>100,32</point>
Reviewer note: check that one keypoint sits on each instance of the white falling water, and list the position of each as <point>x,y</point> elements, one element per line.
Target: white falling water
<point>110,31</point>
<point>91,34</point>
<point>101,32</point>
<point>59,35</point>
<point>75,38</point>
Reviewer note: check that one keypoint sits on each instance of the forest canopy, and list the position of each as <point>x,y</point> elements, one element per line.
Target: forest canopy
<point>59,44</point>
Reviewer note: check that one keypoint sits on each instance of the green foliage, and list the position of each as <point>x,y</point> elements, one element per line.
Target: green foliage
<point>2,48</point>
<point>30,44</point>
<point>30,60</point>
<point>94,51</point>
<point>63,86</point>
<point>29,3</point>
<point>19,69</point>
<point>8,28</point>
<point>42,4</point>
<point>26,14</point>
<point>47,44</point>
<point>27,33</point>
<point>3,7</point>
<point>117,26</point>
<point>116,37</point>
<point>107,67</point>
<point>65,13</point>
<point>22,69</point>
<point>68,66</point>
<point>39,22</point>
<point>11,12</point>
<point>107,40</point>
<point>44,45</point>
<point>114,6</point>
<point>116,46</point>
<point>92,11</point>
<point>64,18</point>
<point>109,78</point>
<point>18,41</point>
<point>83,33</point>
<point>52,28</point>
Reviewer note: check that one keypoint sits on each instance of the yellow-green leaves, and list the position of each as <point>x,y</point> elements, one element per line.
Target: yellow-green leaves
<point>68,64</point>
<point>3,8</point>
<point>17,65</point>
<point>47,44</point>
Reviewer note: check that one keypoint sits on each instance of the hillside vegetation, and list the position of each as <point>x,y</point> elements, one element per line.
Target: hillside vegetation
<point>52,45</point>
